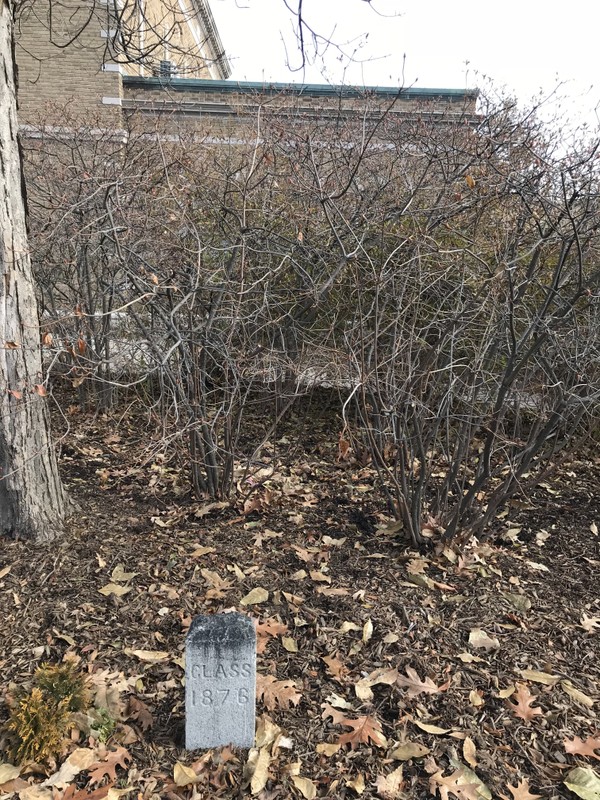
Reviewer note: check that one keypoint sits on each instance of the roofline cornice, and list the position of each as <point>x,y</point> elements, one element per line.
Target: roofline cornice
<point>323,90</point>
<point>219,59</point>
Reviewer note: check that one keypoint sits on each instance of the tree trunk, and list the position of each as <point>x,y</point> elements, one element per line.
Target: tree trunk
<point>32,502</point>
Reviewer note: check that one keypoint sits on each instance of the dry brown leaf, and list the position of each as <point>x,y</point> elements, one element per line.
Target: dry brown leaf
<point>319,577</point>
<point>577,695</point>
<point>408,750</point>
<point>255,596</point>
<point>114,588</point>
<point>538,677</point>
<point>521,791</point>
<point>365,729</point>
<point>580,748</point>
<point>215,581</point>
<point>470,752</point>
<point>184,776</point>
<point>305,786</point>
<point>266,731</point>
<point>590,624</point>
<point>333,591</point>
<point>387,676</point>
<point>80,759</point>
<point>258,766</point>
<point>328,749</point>
<point>389,786</point>
<point>336,668</point>
<point>149,656</point>
<point>455,783</point>
<point>139,711</point>
<point>8,772</point>
<point>108,766</point>
<point>428,728</point>
<point>415,685</point>
<point>523,708</point>
<point>268,629</point>
<point>480,639</point>
<point>276,694</point>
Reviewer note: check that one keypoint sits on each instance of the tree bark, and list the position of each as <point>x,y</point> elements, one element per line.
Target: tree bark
<point>32,501</point>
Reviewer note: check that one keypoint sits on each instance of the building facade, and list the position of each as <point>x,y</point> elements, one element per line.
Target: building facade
<point>76,55</point>
<point>101,60</point>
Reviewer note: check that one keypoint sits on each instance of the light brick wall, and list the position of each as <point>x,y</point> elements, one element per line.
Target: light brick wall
<point>205,108</point>
<point>50,74</point>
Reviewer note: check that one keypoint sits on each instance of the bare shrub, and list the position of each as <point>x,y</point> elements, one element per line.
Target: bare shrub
<point>441,275</point>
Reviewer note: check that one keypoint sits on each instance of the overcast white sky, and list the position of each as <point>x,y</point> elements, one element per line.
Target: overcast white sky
<point>525,45</point>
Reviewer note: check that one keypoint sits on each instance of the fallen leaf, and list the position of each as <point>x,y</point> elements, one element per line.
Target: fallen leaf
<point>336,668</point>
<point>367,631</point>
<point>389,786</point>
<point>8,773</point>
<point>480,639</point>
<point>139,711</point>
<point>328,749</point>
<point>580,748</point>
<point>267,630</point>
<point>113,588</point>
<point>120,576</point>
<point>184,776</point>
<point>358,784</point>
<point>538,677</point>
<point>365,729</point>
<point>408,750</point>
<point>258,766</point>
<point>467,658</point>
<point>590,624</point>
<point>467,776</point>
<point>521,791</point>
<point>149,656</point>
<point>415,685</point>
<point>108,766</point>
<point>470,752</point>
<point>385,675</point>
<point>276,693</point>
<point>583,782</point>
<point>523,708</point>
<point>289,644</point>
<point>255,596</point>
<point>577,695</point>
<point>455,783</point>
<point>35,793</point>
<point>349,626</point>
<point>305,786</point>
<point>434,729</point>
<point>319,576</point>
<point>202,551</point>
<point>79,760</point>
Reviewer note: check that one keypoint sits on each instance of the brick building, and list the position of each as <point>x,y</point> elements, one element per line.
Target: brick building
<point>76,55</point>
<point>164,58</point>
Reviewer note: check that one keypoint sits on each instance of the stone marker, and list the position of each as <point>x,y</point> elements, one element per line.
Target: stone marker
<point>220,681</point>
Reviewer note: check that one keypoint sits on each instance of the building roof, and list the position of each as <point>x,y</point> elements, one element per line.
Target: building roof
<point>314,89</point>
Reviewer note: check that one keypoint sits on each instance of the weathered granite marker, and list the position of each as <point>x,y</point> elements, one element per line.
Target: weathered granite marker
<point>220,681</point>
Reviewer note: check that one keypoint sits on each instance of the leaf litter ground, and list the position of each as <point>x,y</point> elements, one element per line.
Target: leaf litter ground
<point>459,673</point>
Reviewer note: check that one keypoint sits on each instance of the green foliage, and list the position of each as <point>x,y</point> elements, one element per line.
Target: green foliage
<point>40,718</point>
<point>63,682</point>
<point>103,725</point>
